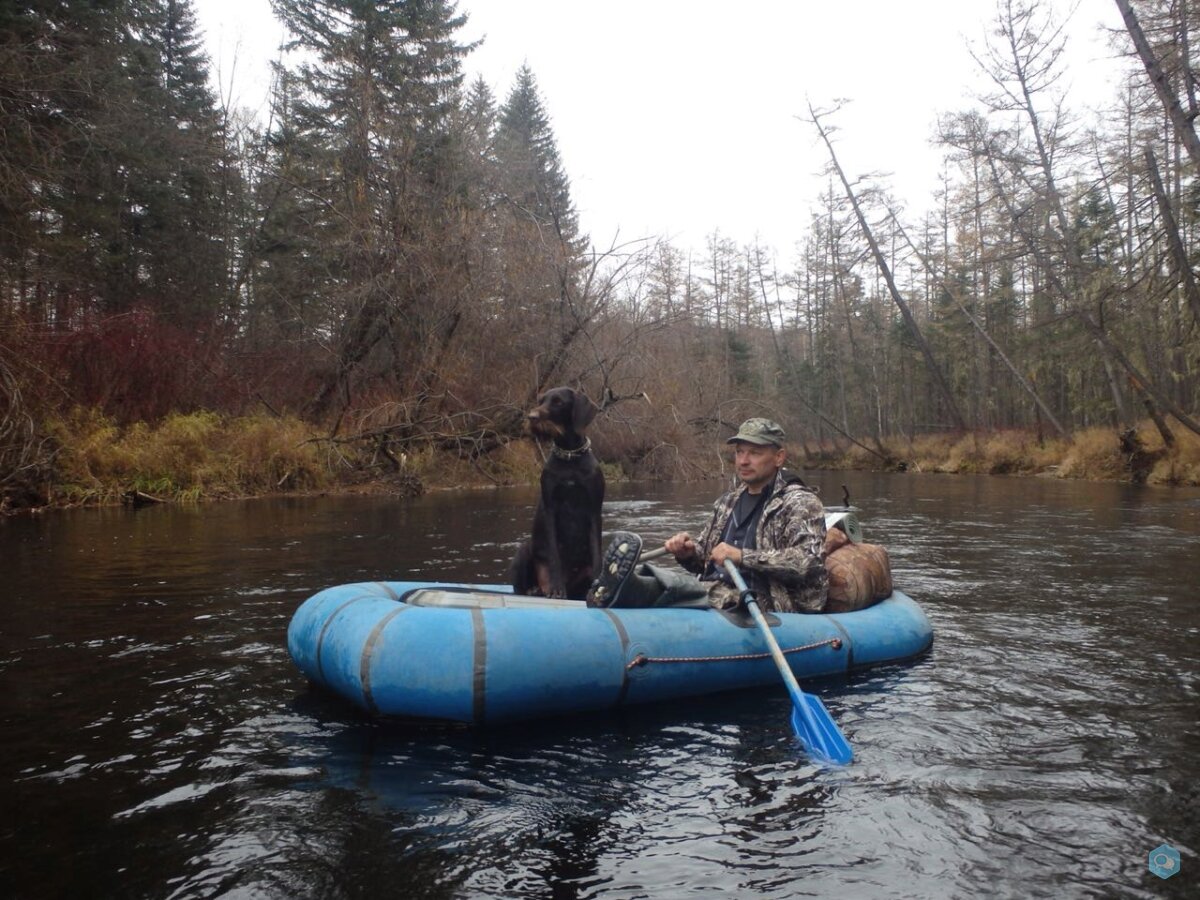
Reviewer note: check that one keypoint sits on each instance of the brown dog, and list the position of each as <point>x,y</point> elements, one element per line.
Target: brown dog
<point>562,556</point>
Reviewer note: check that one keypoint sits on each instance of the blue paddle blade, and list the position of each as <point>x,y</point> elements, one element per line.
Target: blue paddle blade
<point>818,732</point>
<point>810,719</point>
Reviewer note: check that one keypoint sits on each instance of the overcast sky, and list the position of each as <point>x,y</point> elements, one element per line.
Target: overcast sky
<point>678,118</point>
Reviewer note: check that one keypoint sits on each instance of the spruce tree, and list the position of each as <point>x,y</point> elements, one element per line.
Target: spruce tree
<point>541,248</point>
<point>370,118</point>
<point>175,206</point>
<point>537,188</point>
<point>111,196</point>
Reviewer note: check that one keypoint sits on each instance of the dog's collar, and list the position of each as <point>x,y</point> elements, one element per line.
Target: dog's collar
<point>559,453</point>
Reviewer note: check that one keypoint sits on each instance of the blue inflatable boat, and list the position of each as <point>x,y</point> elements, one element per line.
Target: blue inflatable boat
<point>481,654</point>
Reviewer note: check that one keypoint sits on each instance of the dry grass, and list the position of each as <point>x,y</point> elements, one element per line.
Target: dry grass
<point>269,454</point>
<point>1018,452</point>
<point>1094,454</point>
<point>1181,465</point>
<point>930,452</point>
<point>184,457</point>
<point>512,463</point>
<point>202,456</point>
<point>1008,452</point>
<point>206,456</point>
<point>861,458</point>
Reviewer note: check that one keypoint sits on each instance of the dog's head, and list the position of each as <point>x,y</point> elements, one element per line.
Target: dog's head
<point>561,411</point>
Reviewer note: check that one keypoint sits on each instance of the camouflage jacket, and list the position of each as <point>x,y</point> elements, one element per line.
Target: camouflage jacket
<point>786,570</point>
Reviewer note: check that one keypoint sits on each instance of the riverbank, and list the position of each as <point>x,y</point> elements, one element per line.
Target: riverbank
<point>91,461</point>
<point>1093,454</point>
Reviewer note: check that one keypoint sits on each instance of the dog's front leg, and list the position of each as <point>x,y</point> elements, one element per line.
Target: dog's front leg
<point>554,564</point>
<point>594,541</point>
<point>542,577</point>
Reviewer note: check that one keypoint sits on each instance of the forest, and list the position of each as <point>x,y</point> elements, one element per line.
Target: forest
<point>376,282</point>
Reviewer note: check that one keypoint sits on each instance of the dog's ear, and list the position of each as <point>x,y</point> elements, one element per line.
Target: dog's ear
<point>583,411</point>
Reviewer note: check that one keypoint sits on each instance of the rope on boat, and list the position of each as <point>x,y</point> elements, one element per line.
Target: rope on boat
<point>642,659</point>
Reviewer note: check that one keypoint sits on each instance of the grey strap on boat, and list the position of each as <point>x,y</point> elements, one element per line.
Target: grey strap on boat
<point>364,663</point>
<point>479,681</point>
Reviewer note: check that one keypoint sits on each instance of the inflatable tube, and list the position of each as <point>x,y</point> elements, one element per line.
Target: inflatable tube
<point>477,653</point>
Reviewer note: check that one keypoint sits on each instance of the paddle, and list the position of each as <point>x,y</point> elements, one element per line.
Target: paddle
<point>810,719</point>
<point>653,554</point>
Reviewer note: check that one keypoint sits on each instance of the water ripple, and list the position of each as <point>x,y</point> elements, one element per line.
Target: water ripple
<point>1048,741</point>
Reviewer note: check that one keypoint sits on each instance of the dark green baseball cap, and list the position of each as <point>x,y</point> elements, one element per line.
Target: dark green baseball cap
<point>759,431</point>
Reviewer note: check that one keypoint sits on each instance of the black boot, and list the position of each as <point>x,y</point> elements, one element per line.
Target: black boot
<point>615,569</point>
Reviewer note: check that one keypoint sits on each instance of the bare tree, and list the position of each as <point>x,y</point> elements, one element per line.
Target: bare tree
<point>1016,373</point>
<point>1171,231</point>
<point>931,364</point>
<point>1182,121</point>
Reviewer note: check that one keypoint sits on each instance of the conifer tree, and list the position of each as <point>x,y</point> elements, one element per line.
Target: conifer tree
<point>370,118</point>
<point>118,150</point>
<point>536,186</point>
<point>175,203</point>
<point>541,246</point>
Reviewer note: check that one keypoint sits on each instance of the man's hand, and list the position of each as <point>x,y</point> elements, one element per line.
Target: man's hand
<point>724,551</point>
<point>681,546</point>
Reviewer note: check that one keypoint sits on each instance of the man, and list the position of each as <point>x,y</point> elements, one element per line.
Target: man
<point>771,526</point>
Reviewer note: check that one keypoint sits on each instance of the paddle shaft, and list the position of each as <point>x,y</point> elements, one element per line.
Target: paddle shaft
<point>653,554</point>
<point>830,520</point>
<point>810,719</point>
<point>789,677</point>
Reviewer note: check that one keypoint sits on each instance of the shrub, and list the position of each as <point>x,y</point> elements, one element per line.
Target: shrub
<point>137,366</point>
<point>273,454</point>
<point>88,453</point>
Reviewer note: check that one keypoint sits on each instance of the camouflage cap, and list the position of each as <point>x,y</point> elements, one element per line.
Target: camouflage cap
<point>759,431</point>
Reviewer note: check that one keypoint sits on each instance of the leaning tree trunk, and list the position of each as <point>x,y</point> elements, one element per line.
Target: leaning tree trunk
<point>1016,373</point>
<point>1181,121</point>
<point>1186,277</point>
<point>1075,266</point>
<point>931,365</point>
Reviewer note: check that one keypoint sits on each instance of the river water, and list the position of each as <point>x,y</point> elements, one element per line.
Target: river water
<point>158,742</point>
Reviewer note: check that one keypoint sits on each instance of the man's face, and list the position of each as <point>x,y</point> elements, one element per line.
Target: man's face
<point>757,464</point>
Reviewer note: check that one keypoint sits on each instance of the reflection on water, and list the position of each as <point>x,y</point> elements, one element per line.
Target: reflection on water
<point>159,743</point>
